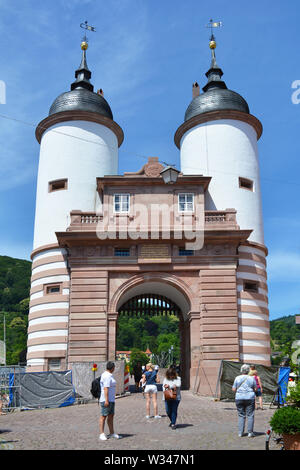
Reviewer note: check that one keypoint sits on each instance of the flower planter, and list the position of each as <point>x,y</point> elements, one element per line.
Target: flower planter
<point>291,441</point>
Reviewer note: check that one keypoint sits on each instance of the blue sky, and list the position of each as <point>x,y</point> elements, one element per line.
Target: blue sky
<point>145,55</point>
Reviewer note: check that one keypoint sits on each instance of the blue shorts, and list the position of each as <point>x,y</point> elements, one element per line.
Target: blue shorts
<point>107,410</point>
<point>258,392</point>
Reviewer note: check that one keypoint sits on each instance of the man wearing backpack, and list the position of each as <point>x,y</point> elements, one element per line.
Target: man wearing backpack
<point>96,388</point>
<point>107,401</point>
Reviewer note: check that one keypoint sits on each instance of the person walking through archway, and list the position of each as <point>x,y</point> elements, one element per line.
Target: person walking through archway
<point>137,373</point>
<point>172,381</point>
<point>151,379</point>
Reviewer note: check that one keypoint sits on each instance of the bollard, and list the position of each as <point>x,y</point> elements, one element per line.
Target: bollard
<point>126,378</point>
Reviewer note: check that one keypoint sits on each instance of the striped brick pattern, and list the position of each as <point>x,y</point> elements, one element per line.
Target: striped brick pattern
<point>87,322</point>
<point>219,323</point>
<point>48,313</point>
<point>219,316</point>
<point>254,332</point>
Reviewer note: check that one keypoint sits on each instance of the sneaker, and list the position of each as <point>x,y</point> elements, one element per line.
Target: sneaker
<point>115,436</point>
<point>103,437</point>
<point>157,416</point>
<point>147,416</point>
<point>173,426</point>
<point>240,434</point>
<point>250,434</point>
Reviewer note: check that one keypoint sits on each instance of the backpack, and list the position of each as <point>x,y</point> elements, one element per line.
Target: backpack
<point>96,388</point>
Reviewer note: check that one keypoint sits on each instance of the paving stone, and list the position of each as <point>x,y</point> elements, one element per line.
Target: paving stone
<point>203,424</point>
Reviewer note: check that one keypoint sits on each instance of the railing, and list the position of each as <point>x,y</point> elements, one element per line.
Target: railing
<point>213,220</point>
<point>220,217</point>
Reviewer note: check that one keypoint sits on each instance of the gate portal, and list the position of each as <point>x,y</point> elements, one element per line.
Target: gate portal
<point>149,304</point>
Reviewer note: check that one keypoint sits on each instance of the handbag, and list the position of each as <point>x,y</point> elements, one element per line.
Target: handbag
<point>170,394</point>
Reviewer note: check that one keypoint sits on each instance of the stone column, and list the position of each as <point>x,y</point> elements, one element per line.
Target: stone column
<point>195,346</point>
<point>112,319</point>
<point>184,331</point>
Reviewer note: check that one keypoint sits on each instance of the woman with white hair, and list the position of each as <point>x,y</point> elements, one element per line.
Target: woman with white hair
<point>244,387</point>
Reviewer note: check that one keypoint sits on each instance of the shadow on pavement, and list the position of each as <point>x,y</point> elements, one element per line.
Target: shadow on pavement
<point>178,426</point>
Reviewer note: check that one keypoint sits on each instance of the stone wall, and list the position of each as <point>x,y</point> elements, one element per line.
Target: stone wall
<point>83,376</point>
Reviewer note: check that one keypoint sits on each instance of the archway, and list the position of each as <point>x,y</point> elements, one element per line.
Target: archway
<point>155,294</point>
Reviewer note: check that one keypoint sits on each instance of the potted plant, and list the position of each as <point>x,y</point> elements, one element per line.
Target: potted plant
<point>286,420</point>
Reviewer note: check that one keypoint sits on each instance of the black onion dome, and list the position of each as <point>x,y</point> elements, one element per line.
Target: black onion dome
<point>216,96</point>
<point>82,97</point>
<point>216,100</point>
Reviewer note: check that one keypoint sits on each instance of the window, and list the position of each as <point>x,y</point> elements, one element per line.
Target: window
<point>184,252</point>
<point>58,185</point>
<point>54,364</point>
<point>246,183</point>
<point>186,202</point>
<point>52,289</point>
<point>250,286</point>
<point>122,252</point>
<point>121,203</point>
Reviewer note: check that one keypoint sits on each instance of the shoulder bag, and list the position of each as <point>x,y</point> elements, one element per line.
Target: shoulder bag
<point>170,394</point>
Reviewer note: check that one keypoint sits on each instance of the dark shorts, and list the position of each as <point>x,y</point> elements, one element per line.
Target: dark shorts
<point>107,410</point>
<point>258,392</point>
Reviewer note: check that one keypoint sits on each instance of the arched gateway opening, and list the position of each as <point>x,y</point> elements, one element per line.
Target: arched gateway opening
<point>149,298</point>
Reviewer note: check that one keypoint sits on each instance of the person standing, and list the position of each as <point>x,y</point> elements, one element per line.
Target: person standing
<point>142,384</point>
<point>172,381</point>
<point>259,391</point>
<point>107,401</point>
<point>244,387</point>
<point>137,372</point>
<point>150,378</point>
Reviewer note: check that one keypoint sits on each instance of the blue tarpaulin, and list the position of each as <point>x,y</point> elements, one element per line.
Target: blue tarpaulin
<point>283,379</point>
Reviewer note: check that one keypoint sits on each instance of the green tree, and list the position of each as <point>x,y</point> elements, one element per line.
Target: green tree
<point>24,306</point>
<point>135,357</point>
<point>166,341</point>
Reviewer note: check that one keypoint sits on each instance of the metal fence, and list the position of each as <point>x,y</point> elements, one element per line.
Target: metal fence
<point>10,392</point>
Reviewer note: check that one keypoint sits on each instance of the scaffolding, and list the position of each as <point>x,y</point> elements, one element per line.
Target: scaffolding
<point>10,391</point>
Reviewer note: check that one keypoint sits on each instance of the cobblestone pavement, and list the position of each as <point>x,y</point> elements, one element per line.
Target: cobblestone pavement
<point>202,424</point>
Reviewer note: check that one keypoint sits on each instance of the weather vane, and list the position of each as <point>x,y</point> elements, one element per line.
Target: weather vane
<point>87,27</point>
<point>213,24</point>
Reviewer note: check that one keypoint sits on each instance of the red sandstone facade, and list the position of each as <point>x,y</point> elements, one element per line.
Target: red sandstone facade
<point>207,283</point>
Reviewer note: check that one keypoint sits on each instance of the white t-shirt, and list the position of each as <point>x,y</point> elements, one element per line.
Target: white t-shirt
<point>107,380</point>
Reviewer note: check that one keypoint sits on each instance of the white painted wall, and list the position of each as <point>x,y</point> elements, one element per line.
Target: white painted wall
<point>226,150</point>
<point>80,151</point>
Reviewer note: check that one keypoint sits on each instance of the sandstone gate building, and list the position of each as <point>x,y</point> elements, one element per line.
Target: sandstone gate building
<point>105,242</point>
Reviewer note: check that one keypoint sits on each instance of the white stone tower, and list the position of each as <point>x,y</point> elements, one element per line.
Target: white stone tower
<point>79,142</point>
<point>219,139</point>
